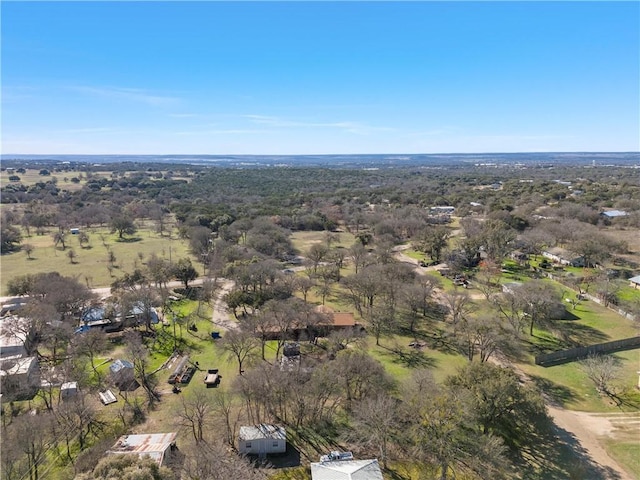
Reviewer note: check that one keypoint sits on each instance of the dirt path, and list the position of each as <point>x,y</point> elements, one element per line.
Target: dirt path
<point>587,429</point>
<point>220,315</point>
<point>580,430</point>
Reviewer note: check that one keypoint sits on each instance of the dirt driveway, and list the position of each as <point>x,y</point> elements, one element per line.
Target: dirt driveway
<point>583,431</point>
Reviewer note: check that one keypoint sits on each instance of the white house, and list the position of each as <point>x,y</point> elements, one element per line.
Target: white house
<point>346,470</point>
<point>19,376</point>
<point>563,257</point>
<point>614,213</point>
<point>634,282</point>
<point>155,445</point>
<point>262,439</point>
<point>14,336</point>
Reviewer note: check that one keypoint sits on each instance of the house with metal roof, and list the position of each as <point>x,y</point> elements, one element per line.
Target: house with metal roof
<point>158,446</point>
<point>614,213</point>
<point>634,282</point>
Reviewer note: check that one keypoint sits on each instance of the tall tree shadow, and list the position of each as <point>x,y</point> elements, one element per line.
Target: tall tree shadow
<point>409,357</point>
<point>556,454</point>
<point>559,393</point>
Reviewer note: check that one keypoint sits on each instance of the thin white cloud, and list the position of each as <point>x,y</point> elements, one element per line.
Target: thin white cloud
<point>434,132</point>
<point>186,115</point>
<point>16,93</point>
<point>129,94</point>
<point>90,130</point>
<point>518,137</point>
<point>351,127</point>
<point>230,131</point>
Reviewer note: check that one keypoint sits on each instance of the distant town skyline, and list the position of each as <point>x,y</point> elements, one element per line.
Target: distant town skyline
<point>286,78</point>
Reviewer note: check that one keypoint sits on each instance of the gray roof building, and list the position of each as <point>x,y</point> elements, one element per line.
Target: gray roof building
<point>346,470</point>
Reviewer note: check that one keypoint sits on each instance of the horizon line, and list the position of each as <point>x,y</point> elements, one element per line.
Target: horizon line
<point>318,154</point>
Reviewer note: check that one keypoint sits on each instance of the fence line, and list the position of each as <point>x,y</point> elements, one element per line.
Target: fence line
<point>588,296</point>
<point>565,356</point>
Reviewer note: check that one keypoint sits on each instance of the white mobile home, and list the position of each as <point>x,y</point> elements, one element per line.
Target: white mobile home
<point>346,470</point>
<point>262,440</point>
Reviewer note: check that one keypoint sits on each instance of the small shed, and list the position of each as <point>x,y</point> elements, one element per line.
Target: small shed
<point>107,397</point>
<point>68,390</point>
<point>262,440</point>
<point>634,282</point>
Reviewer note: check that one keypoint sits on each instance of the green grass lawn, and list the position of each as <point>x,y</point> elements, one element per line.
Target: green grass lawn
<point>568,383</point>
<point>91,262</point>
<point>400,360</point>
<point>627,454</point>
<point>409,252</point>
<point>302,241</point>
<point>627,293</point>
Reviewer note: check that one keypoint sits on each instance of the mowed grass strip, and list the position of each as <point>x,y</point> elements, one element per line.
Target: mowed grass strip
<point>627,454</point>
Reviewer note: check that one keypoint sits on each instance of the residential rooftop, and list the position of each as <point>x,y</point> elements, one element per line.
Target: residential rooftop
<point>347,470</point>
<point>152,444</point>
<point>263,430</point>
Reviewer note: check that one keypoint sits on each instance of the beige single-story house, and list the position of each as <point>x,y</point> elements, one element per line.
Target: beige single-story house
<point>563,257</point>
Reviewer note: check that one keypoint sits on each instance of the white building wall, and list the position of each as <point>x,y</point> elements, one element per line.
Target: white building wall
<point>262,446</point>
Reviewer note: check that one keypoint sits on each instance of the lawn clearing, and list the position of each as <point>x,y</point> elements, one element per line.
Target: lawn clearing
<point>400,360</point>
<point>627,454</point>
<point>302,241</point>
<point>32,176</point>
<point>91,262</point>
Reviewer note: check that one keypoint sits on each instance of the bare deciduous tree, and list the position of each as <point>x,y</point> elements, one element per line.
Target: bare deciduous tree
<point>239,345</point>
<point>602,370</point>
<point>375,423</point>
<point>212,461</point>
<point>28,249</point>
<point>194,413</point>
<point>459,304</point>
<point>138,353</point>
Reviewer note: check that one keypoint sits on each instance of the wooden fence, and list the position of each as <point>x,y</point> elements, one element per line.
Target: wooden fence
<point>565,356</point>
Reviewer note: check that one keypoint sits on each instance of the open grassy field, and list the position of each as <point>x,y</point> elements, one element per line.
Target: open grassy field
<point>91,261</point>
<point>626,453</point>
<point>302,241</point>
<point>400,360</point>
<point>32,176</point>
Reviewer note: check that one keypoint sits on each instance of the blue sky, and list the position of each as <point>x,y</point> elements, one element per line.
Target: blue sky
<point>319,77</point>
